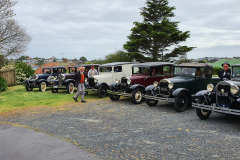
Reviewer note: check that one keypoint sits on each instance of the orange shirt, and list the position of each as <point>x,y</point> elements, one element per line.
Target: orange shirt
<point>82,78</point>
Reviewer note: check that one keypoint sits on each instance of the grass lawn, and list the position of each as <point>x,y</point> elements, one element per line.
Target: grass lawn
<point>17,97</point>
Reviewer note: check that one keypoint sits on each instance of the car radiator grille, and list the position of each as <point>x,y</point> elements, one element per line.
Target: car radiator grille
<point>223,92</point>
<point>91,82</point>
<point>164,88</point>
<point>123,84</point>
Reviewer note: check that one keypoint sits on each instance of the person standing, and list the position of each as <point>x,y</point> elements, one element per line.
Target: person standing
<point>79,81</point>
<point>92,72</point>
<point>225,72</point>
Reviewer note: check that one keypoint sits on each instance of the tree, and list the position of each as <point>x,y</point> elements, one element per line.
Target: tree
<point>14,39</point>
<point>118,56</point>
<point>83,59</point>
<point>156,38</point>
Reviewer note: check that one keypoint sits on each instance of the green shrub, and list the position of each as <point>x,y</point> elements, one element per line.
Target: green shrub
<point>23,71</point>
<point>25,68</point>
<point>3,84</point>
<point>216,70</point>
<point>20,76</point>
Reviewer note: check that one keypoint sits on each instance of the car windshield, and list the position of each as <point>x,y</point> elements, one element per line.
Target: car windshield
<point>140,70</point>
<point>71,69</point>
<point>105,69</point>
<point>185,71</point>
<point>236,71</point>
<point>47,71</point>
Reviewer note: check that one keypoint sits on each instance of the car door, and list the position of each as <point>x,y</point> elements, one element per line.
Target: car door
<point>117,73</point>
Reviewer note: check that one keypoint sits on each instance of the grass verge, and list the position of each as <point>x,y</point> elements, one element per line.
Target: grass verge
<point>17,97</point>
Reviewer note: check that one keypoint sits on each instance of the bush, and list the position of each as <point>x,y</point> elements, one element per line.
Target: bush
<point>25,68</point>
<point>216,70</point>
<point>20,76</point>
<point>23,71</point>
<point>3,84</point>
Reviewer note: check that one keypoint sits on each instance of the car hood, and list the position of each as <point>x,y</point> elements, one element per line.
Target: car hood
<point>180,79</point>
<point>230,82</point>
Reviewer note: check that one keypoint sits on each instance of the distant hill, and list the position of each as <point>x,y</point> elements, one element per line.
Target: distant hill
<point>221,61</point>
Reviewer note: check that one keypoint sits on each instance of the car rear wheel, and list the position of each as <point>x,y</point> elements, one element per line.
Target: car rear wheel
<point>54,90</point>
<point>181,102</point>
<point>151,102</point>
<point>70,88</point>
<point>114,97</point>
<point>28,88</point>
<point>42,86</point>
<point>202,113</point>
<point>137,96</point>
<point>102,91</point>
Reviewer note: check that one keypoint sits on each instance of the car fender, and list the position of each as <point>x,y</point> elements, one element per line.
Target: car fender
<point>137,86</point>
<point>149,88</point>
<point>204,94</point>
<point>238,100</point>
<point>69,80</point>
<point>177,91</point>
<point>112,86</point>
<point>102,83</point>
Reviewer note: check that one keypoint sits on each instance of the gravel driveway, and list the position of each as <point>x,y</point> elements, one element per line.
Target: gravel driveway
<point>121,130</point>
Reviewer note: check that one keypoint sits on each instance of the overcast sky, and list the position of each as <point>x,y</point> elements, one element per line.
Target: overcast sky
<point>95,28</point>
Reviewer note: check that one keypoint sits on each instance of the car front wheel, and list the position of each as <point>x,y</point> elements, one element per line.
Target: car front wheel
<point>42,86</point>
<point>202,113</point>
<point>54,90</point>
<point>70,88</point>
<point>28,88</point>
<point>181,102</point>
<point>137,96</point>
<point>114,97</point>
<point>151,102</point>
<point>102,91</point>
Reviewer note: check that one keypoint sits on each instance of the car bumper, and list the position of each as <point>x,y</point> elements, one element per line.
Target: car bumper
<point>217,109</point>
<point>120,93</point>
<point>158,98</point>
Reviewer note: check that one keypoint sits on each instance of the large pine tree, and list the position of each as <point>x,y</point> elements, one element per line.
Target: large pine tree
<point>156,38</point>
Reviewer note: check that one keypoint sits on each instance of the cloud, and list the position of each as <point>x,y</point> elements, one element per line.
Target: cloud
<point>99,27</point>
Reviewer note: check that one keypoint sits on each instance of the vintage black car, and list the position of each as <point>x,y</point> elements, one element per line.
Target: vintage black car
<point>223,97</point>
<point>189,78</point>
<point>143,75</point>
<point>66,81</point>
<point>42,81</point>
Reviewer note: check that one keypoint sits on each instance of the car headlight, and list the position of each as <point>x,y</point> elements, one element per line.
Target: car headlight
<point>128,81</point>
<point>155,83</point>
<point>36,76</point>
<point>234,89</point>
<point>117,80</point>
<point>85,80</point>
<point>210,87</point>
<point>63,77</point>
<point>30,77</point>
<point>95,80</point>
<point>170,85</point>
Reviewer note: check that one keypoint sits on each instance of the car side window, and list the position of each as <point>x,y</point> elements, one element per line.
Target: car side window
<point>167,70</point>
<point>118,69</point>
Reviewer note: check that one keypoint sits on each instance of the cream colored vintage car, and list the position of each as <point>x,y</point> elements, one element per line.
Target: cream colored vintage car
<point>108,73</point>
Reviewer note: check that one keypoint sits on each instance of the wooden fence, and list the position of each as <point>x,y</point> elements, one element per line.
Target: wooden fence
<point>10,76</point>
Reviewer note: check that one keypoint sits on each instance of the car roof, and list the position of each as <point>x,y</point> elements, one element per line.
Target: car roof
<point>194,65</point>
<point>53,67</point>
<point>235,65</point>
<point>151,64</point>
<point>116,64</point>
<point>84,65</point>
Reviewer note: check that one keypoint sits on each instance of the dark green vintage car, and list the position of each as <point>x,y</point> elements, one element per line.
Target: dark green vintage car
<point>189,78</point>
<point>222,98</point>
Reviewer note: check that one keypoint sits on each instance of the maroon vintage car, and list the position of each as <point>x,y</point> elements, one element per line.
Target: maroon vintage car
<point>143,74</point>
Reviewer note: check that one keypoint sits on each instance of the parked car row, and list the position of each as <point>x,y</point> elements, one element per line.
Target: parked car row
<point>183,85</point>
